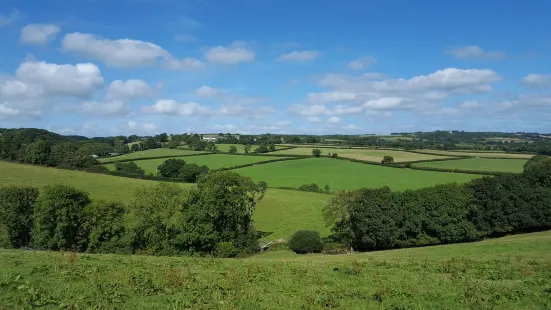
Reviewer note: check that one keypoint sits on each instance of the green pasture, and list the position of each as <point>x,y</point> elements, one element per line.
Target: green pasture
<point>477,154</point>
<point>149,154</point>
<point>213,161</point>
<point>479,164</point>
<point>279,214</point>
<point>342,174</point>
<point>362,154</point>
<point>508,273</point>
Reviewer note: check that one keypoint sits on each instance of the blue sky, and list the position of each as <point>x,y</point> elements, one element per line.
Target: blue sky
<point>99,67</point>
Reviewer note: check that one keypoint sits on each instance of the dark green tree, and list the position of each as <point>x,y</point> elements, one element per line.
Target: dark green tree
<point>16,213</point>
<point>387,160</point>
<point>233,149</point>
<point>129,168</point>
<point>247,148</point>
<point>316,152</point>
<point>105,227</point>
<point>37,152</point>
<point>171,167</point>
<point>190,172</point>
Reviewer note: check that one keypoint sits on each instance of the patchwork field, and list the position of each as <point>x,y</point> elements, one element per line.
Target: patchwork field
<point>342,174</point>
<point>507,273</point>
<point>479,154</point>
<point>213,161</point>
<point>150,153</point>
<point>363,154</point>
<point>240,147</point>
<point>479,164</point>
<point>280,213</point>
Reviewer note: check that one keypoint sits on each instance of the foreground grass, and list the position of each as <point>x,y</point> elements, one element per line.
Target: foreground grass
<point>508,273</point>
<point>341,174</point>
<point>479,164</point>
<point>478,154</point>
<point>213,161</point>
<point>149,154</point>
<point>279,214</point>
<point>363,154</point>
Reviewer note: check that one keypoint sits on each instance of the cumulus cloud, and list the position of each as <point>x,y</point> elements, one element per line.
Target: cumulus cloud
<point>334,120</point>
<point>362,63</point>
<point>313,119</point>
<point>472,104</point>
<point>6,19</point>
<point>309,110</point>
<point>173,107</point>
<point>128,90</point>
<point>207,91</point>
<point>125,52</point>
<point>7,111</point>
<point>328,97</point>
<point>115,107</point>
<point>39,34</point>
<point>138,127</point>
<point>537,81</point>
<point>299,56</point>
<point>230,55</point>
<point>473,51</point>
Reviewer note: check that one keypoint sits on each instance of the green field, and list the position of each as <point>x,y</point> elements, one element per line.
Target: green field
<point>342,174</point>
<point>213,161</point>
<point>363,154</point>
<point>240,147</point>
<point>508,273</point>
<point>280,213</point>
<point>479,164</point>
<point>478,154</point>
<point>150,153</point>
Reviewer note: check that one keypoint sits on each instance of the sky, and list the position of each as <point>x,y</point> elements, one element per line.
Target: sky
<point>110,67</point>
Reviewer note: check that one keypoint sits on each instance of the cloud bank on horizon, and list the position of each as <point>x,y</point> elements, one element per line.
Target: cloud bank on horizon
<point>119,67</point>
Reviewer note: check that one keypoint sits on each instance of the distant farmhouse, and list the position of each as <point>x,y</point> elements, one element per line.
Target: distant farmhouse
<point>216,138</point>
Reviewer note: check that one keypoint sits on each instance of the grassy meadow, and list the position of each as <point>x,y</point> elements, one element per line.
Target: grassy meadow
<point>362,154</point>
<point>213,161</point>
<point>478,154</point>
<point>150,153</point>
<point>513,272</point>
<point>479,164</point>
<point>280,213</point>
<point>342,174</point>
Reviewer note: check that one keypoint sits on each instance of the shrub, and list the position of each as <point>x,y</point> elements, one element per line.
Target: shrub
<point>306,241</point>
<point>16,213</point>
<point>334,155</point>
<point>225,250</point>
<point>105,228</point>
<point>59,219</point>
<point>233,150</point>
<point>387,160</point>
<point>316,152</point>
<point>129,168</point>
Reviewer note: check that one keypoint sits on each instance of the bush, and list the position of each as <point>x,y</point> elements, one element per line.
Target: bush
<point>334,155</point>
<point>105,228</point>
<point>170,168</point>
<point>387,160</point>
<point>97,169</point>
<point>129,168</point>
<point>16,213</point>
<point>225,250</point>
<point>316,152</point>
<point>59,219</point>
<point>306,241</point>
<point>233,150</point>
<point>191,172</point>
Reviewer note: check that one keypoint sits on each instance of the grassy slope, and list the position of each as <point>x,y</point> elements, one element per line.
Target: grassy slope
<point>213,161</point>
<point>281,212</point>
<point>150,153</point>
<point>479,164</point>
<point>508,273</point>
<point>363,154</point>
<point>346,175</point>
<point>479,154</point>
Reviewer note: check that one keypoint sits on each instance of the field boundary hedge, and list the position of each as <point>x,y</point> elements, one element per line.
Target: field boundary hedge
<point>461,171</point>
<point>156,157</point>
<point>471,156</point>
<point>258,163</point>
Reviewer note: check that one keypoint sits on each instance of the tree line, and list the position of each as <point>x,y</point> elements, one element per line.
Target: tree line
<point>378,219</point>
<point>213,218</point>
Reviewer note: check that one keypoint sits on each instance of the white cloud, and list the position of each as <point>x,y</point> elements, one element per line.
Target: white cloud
<point>309,110</point>
<point>299,56</point>
<point>6,19</point>
<point>137,127</point>
<point>472,104</point>
<point>313,119</point>
<point>334,120</point>
<point>230,55</point>
<point>172,107</point>
<point>384,103</point>
<point>346,109</point>
<point>39,34</point>
<point>184,38</point>
<point>128,90</point>
<point>125,52</point>
<point>52,79</point>
<point>473,51</point>
<point>7,111</point>
<point>362,63</point>
<point>537,81</point>
<point>115,107</point>
<point>328,97</point>
<point>207,91</point>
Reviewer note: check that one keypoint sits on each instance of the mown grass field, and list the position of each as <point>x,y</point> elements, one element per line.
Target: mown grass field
<point>342,174</point>
<point>479,164</point>
<point>280,213</point>
<point>213,161</point>
<point>362,154</point>
<point>240,147</point>
<point>507,273</point>
<point>479,154</point>
<point>150,153</point>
